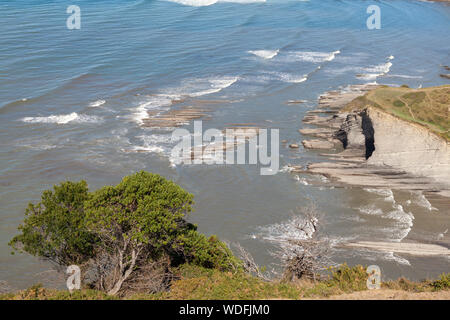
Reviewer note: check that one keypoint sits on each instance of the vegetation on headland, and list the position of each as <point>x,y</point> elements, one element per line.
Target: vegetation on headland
<point>428,107</point>
<point>194,282</point>
<point>124,237</point>
<point>132,241</point>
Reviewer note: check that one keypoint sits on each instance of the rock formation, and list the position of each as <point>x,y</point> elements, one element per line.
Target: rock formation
<point>380,149</point>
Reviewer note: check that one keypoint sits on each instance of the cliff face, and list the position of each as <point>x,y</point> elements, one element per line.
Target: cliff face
<point>385,140</point>
<point>409,147</point>
<point>384,145</point>
<point>357,134</point>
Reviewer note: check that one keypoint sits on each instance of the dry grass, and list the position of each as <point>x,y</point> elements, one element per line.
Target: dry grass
<point>204,284</point>
<point>429,107</point>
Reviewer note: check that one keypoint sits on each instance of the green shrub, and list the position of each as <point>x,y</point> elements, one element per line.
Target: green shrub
<point>349,279</point>
<point>144,209</point>
<point>209,252</point>
<point>443,283</point>
<point>117,231</point>
<point>55,227</point>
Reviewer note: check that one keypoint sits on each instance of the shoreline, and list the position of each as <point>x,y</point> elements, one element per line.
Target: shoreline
<point>343,138</point>
<point>347,135</point>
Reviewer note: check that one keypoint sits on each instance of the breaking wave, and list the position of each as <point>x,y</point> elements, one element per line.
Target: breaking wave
<point>403,220</point>
<point>311,56</point>
<point>64,119</point>
<point>265,54</point>
<point>373,72</point>
<point>97,103</point>
<point>420,200</point>
<point>386,193</point>
<point>287,77</point>
<point>204,3</point>
<point>190,88</point>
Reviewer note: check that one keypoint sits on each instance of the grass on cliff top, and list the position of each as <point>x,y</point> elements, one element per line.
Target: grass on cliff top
<point>429,107</point>
<point>205,284</point>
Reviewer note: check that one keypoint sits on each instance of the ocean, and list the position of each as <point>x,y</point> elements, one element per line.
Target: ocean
<point>72,104</point>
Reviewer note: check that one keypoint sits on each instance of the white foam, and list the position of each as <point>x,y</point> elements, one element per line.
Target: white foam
<point>392,257</point>
<point>403,220</point>
<point>373,72</point>
<point>40,146</point>
<point>204,3</point>
<point>194,3</point>
<point>287,77</point>
<point>63,119</point>
<point>371,210</point>
<point>286,231</point>
<point>386,193</point>
<point>153,102</point>
<point>311,56</point>
<point>403,76</point>
<point>215,85</point>
<point>422,201</point>
<point>400,215</point>
<point>155,138</point>
<point>265,54</point>
<point>286,169</point>
<point>302,180</point>
<point>155,149</point>
<point>189,88</point>
<point>97,103</point>
<point>157,143</point>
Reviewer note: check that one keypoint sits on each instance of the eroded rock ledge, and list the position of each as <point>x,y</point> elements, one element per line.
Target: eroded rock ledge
<point>379,149</point>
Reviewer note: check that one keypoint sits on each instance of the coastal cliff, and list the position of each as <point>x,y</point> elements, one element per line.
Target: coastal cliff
<point>391,137</point>
<point>408,146</point>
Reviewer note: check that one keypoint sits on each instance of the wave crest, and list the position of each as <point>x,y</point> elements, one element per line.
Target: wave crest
<point>205,3</point>
<point>265,54</point>
<point>63,119</point>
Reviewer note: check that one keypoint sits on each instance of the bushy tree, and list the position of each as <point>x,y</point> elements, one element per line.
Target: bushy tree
<point>119,232</point>
<point>209,252</point>
<point>55,227</point>
<point>142,217</point>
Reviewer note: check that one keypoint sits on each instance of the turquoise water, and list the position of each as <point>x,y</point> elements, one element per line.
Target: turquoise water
<point>71,104</point>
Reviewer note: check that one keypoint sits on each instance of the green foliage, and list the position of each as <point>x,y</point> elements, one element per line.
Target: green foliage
<point>55,228</point>
<point>443,283</point>
<point>427,107</point>
<point>209,252</point>
<point>414,97</point>
<point>122,228</point>
<point>38,292</point>
<point>205,284</point>
<point>349,279</point>
<point>195,282</point>
<point>145,208</point>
